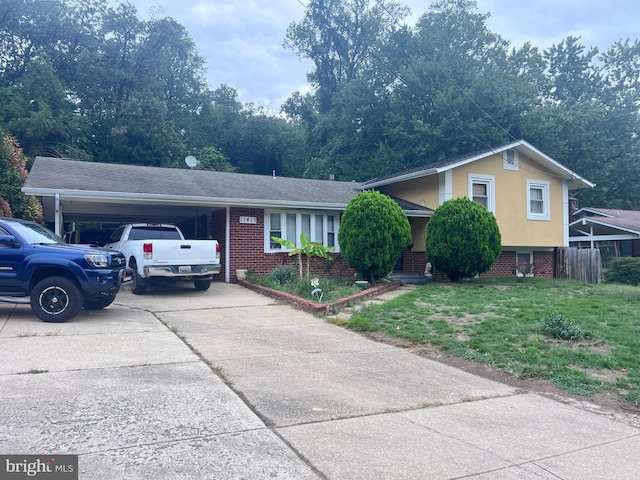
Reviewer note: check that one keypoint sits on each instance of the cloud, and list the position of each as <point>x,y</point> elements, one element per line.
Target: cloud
<point>242,41</point>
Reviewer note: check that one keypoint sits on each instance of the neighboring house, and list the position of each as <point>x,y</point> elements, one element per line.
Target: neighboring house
<point>525,189</point>
<point>616,233</point>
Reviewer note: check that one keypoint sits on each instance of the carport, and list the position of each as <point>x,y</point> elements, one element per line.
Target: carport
<point>73,191</point>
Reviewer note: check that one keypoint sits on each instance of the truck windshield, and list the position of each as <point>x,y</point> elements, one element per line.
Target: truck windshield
<point>154,233</point>
<point>35,234</point>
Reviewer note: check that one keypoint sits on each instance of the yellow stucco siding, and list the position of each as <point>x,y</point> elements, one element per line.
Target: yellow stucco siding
<point>418,231</point>
<point>510,202</point>
<point>510,194</point>
<point>421,191</point>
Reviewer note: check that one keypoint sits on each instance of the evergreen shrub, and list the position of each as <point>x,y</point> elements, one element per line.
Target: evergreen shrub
<point>462,239</point>
<point>373,232</point>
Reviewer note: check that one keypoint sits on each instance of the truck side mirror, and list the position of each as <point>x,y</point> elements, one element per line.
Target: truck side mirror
<point>9,241</point>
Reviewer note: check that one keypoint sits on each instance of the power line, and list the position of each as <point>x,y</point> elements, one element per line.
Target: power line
<point>398,76</point>
<point>449,77</point>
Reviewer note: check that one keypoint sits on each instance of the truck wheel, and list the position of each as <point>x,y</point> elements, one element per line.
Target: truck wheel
<point>137,287</point>
<point>202,285</point>
<point>98,303</point>
<point>56,299</point>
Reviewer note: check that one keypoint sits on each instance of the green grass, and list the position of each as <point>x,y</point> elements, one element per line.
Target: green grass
<point>502,322</point>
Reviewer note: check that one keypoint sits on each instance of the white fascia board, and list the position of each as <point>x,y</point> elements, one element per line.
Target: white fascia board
<point>399,178</point>
<point>417,213</point>
<point>550,163</point>
<point>602,238</point>
<point>593,210</point>
<point>178,199</point>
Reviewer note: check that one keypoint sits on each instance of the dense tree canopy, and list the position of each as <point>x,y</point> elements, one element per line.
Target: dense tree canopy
<point>82,79</point>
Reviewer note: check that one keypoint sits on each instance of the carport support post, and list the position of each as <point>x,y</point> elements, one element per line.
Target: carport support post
<point>59,224</point>
<point>227,245</point>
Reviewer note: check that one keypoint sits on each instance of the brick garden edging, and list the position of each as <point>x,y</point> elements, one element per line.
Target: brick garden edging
<point>314,307</point>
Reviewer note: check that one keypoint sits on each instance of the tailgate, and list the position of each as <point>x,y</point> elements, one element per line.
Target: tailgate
<point>185,252</point>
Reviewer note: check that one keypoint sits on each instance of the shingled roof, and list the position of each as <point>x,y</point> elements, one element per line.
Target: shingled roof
<point>72,177</point>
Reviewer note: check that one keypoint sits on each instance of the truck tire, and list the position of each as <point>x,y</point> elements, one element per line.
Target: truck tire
<point>137,286</point>
<point>202,285</point>
<point>98,303</point>
<point>56,299</point>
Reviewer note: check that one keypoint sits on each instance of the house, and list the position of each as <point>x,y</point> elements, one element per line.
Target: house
<point>526,190</point>
<point>616,233</point>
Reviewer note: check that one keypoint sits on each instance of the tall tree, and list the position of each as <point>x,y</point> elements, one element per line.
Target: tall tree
<point>339,37</point>
<point>589,119</point>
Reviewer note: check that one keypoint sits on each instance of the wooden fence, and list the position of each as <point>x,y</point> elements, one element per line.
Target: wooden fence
<point>582,264</point>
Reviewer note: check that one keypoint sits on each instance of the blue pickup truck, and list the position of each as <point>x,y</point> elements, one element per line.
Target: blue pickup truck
<point>57,279</point>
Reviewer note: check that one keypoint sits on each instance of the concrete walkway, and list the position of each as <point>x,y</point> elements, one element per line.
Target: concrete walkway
<point>227,384</point>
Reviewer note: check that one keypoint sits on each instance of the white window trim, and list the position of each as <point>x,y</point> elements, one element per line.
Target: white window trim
<point>489,181</point>
<point>298,214</point>
<point>505,163</point>
<point>544,186</point>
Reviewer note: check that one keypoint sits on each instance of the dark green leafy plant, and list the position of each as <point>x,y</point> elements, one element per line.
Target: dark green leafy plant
<point>373,232</point>
<point>282,274</point>
<point>462,239</point>
<point>624,270</point>
<point>556,325</point>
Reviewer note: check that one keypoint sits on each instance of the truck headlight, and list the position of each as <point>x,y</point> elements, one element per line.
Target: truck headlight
<point>97,261</point>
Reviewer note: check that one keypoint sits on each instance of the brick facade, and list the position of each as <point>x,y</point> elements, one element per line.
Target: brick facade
<point>247,249</point>
<point>247,252</point>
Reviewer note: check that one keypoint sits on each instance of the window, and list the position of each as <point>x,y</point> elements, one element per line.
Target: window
<point>317,227</point>
<point>481,194</point>
<point>537,200</point>
<point>524,263</point>
<point>481,190</point>
<point>510,160</point>
<point>275,230</point>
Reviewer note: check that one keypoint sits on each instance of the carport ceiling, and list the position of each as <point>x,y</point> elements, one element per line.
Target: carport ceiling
<point>114,211</point>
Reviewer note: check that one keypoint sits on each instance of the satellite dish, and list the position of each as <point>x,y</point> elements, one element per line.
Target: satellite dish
<point>191,161</point>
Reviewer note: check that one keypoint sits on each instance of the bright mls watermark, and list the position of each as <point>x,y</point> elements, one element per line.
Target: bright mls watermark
<point>49,467</point>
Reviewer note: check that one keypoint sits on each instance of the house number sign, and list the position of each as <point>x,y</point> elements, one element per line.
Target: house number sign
<point>250,220</point>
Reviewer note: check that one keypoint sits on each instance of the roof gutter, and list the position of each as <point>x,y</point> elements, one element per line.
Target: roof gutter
<point>178,199</point>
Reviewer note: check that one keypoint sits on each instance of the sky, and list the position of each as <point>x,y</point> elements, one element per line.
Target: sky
<point>241,40</point>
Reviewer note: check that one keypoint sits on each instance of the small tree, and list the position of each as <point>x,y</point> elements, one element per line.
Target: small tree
<point>373,232</point>
<point>463,239</point>
<point>307,248</point>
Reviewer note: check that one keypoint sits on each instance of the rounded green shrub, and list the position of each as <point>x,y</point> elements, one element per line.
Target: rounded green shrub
<point>624,270</point>
<point>462,239</point>
<point>373,232</point>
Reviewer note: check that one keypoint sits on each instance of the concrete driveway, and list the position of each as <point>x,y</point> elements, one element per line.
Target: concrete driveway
<point>228,384</point>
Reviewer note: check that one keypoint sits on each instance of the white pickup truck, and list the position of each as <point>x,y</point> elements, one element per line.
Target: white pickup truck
<point>160,251</point>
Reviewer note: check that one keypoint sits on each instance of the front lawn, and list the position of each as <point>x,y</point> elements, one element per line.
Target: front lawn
<point>501,322</point>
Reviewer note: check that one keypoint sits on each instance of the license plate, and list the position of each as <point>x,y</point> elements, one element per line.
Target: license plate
<point>184,269</point>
